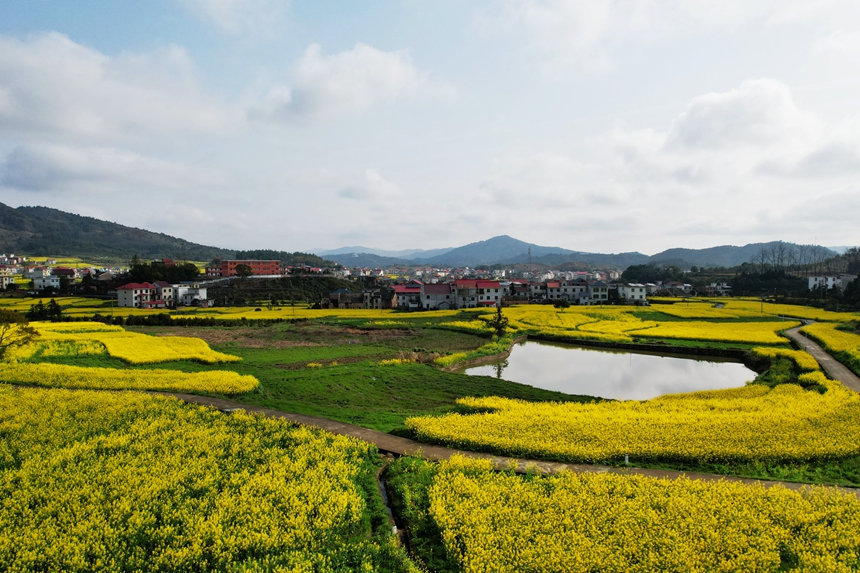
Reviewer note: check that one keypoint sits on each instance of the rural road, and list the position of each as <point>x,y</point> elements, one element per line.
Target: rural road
<point>396,445</point>
<point>833,367</point>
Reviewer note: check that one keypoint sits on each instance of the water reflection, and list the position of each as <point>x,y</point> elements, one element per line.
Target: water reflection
<point>613,374</point>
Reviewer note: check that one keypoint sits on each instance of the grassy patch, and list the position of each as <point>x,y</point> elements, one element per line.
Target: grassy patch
<point>409,480</point>
<point>843,472</point>
<point>350,386</point>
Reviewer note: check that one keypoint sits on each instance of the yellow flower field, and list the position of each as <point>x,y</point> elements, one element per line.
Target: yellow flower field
<point>833,339</point>
<point>64,376</point>
<point>103,482</point>
<point>497,522</point>
<point>752,423</point>
<point>745,332</point>
<point>803,359</point>
<point>133,347</point>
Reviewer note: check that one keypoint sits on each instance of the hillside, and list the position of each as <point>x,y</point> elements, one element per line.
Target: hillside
<point>501,249</point>
<point>42,231</point>
<point>723,256</point>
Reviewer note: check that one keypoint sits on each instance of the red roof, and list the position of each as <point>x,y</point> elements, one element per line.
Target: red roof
<point>489,302</point>
<point>437,289</point>
<point>135,286</point>
<point>488,284</point>
<point>554,284</point>
<point>410,289</point>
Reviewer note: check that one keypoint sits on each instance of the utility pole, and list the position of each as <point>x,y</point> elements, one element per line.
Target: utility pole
<point>531,267</point>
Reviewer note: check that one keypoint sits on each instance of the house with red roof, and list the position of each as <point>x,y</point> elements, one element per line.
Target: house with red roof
<point>408,295</point>
<point>135,295</point>
<point>438,296</point>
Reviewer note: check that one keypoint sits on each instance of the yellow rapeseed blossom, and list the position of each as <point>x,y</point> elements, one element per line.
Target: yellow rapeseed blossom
<point>746,332</point>
<point>132,347</point>
<point>64,376</point>
<point>803,359</point>
<point>500,523</point>
<point>752,423</point>
<point>835,340</point>
<point>103,482</point>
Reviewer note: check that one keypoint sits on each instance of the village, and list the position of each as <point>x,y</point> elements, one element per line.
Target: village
<point>403,288</point>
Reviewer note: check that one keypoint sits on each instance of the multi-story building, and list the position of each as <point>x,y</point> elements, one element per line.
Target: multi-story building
<point>438,296</point>
<point>632,292</point>
<point>41,283</point>
<point>258,267</point>
<point>135,295</point>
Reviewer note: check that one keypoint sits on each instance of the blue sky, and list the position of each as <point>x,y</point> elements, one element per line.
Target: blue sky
<point>606,126</point>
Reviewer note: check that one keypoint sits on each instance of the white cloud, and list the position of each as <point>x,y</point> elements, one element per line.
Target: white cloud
<point>759,112</point>
<point>242,16</point>
<point>52,87</point>
<point>346,83</point>
<point>587,34</point>
<point>748,161</point>
<point>48,167</point>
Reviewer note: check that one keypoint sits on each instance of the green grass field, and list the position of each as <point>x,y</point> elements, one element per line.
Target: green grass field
<point>349,385</point>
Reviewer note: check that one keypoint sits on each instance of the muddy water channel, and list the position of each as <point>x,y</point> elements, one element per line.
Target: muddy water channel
<point>617,374</point>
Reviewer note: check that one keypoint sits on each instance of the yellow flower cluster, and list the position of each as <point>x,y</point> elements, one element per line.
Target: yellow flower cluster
<point>497,522</point>
<point>833,339</point>
<point>102,482</point>
<point>803,359</point>
<point>580,323</point>
<point>52,348</point>
<point>64,376</point>
<point>133,347</point>
<point>752,423</point>
<point>396,361</point>
<point>704,309</point>
<point>745,332</point>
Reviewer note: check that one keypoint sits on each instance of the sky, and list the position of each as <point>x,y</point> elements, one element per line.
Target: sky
<point>593,125</point>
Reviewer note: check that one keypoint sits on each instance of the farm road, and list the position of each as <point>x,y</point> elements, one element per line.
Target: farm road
<point>406,447</point>
<point>833,367</point>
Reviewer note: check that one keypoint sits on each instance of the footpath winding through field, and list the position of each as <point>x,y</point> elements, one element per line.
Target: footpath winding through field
<point>405,447</point>
<point>833,367</point>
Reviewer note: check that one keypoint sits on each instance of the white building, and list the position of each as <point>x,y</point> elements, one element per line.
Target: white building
<point>41,283</point>
<point>824,282</point>
<point>135,295</point>
<point>190,295</point>
<point>633,292</point>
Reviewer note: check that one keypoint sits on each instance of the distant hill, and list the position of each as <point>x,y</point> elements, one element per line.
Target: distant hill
<point>505,250</point>
<point>723,256</point>
<point>501,249</point>
<point>620,260</point>
<point>407,254</point>
<point>368,260</point>
<point>42,231</point>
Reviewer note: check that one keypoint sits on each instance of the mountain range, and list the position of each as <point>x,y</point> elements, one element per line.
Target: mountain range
<point>43,231</point>
<point>505,250</point>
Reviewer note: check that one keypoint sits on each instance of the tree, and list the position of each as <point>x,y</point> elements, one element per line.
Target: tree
<point>38,311</point>
<point>54,310</point>
<point>561,304</point>
<point>243,270</point>
<point>499,322</point>
<point>14,331</point>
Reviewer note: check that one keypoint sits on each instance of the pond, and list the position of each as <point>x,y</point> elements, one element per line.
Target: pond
<point>617,374</point>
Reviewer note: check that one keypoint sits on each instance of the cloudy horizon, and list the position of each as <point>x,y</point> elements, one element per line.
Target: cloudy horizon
<point>597,126</point>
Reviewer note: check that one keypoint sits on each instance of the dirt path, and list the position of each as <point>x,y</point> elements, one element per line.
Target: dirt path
<point>833,367</point>
<point>403,446</point>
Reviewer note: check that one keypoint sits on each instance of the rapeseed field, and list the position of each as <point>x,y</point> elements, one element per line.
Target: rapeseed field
<point>105,482</point>
<point>752,423</point>
<point>498,522</point>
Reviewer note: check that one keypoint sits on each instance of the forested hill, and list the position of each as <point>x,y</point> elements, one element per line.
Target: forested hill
<point>285,257</point>
<point>42,231</point>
